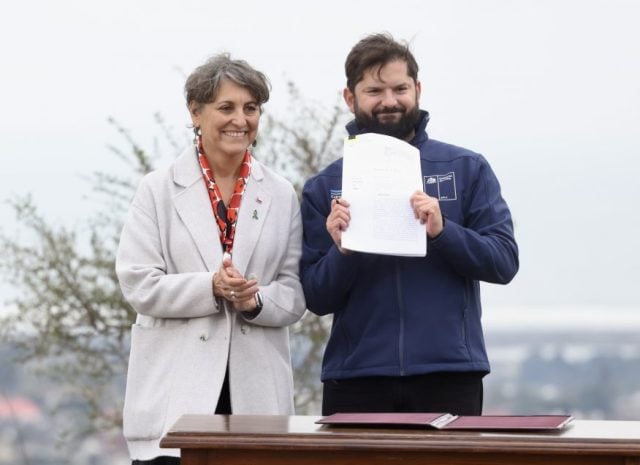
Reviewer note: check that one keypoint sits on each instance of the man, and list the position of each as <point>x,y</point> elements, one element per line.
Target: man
<point>406,334</point>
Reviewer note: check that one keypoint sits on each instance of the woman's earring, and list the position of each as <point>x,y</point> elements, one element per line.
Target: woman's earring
<point>196,133</point>
<point>255,142</point>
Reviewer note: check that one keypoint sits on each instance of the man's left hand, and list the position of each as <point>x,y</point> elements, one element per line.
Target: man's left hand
<point>427,210</point>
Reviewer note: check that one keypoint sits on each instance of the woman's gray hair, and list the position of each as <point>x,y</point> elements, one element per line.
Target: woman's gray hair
<point>204,82</point>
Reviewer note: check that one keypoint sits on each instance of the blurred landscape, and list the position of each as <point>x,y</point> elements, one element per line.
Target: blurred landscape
<point>580,361</point>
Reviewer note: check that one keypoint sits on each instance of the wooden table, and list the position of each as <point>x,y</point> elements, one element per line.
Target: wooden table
<point>288,440</point>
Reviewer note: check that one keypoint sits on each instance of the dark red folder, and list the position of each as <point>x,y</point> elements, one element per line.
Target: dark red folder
<point>451,422</point>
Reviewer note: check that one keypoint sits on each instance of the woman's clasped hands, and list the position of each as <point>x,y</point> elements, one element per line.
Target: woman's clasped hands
<point>229,284</point>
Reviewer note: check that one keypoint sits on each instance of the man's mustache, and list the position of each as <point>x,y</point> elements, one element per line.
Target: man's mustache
<point>383,111</point>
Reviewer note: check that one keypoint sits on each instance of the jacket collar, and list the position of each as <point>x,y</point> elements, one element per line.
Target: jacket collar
<point>192,203</point>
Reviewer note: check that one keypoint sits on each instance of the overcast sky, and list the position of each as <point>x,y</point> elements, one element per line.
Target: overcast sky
<point>547,90</point>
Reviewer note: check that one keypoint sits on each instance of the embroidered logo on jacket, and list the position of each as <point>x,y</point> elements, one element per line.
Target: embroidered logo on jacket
<point>335,193</point>
<point>441,186</point>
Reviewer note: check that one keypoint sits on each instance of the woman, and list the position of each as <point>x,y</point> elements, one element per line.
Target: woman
<point>208,258</point>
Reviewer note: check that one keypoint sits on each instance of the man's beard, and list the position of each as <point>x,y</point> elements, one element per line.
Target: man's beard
<point>401,129</point>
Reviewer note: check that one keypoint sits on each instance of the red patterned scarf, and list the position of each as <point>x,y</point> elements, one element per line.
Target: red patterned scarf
<point>226,217</point>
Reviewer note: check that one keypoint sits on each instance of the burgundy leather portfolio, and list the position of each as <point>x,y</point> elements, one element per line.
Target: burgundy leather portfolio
<point>451,422</point>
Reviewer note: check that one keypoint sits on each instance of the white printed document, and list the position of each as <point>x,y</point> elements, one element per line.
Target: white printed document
<point>379,175</point>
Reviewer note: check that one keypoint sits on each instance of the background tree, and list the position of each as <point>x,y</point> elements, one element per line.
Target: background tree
<point>70,321</point>
<point>298,145</point>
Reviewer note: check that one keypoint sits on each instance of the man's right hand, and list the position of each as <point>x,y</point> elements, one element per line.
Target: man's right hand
<point>338,221</point>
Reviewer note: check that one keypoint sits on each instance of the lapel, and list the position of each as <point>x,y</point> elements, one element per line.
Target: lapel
<point>251,217</point>
<point>194,208</point>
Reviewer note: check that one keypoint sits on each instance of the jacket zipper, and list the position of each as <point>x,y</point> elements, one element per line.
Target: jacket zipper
<point>401,313</point>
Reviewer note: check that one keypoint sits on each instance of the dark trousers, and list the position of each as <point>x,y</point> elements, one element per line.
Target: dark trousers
<point>164,460</point>
<point>223,408</point>
<point>455,393</point>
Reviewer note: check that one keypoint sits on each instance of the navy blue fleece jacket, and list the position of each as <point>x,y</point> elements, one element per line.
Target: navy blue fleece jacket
<point>396,316</point>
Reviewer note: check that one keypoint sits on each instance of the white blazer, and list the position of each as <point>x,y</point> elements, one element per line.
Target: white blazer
<point>184,338</point>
